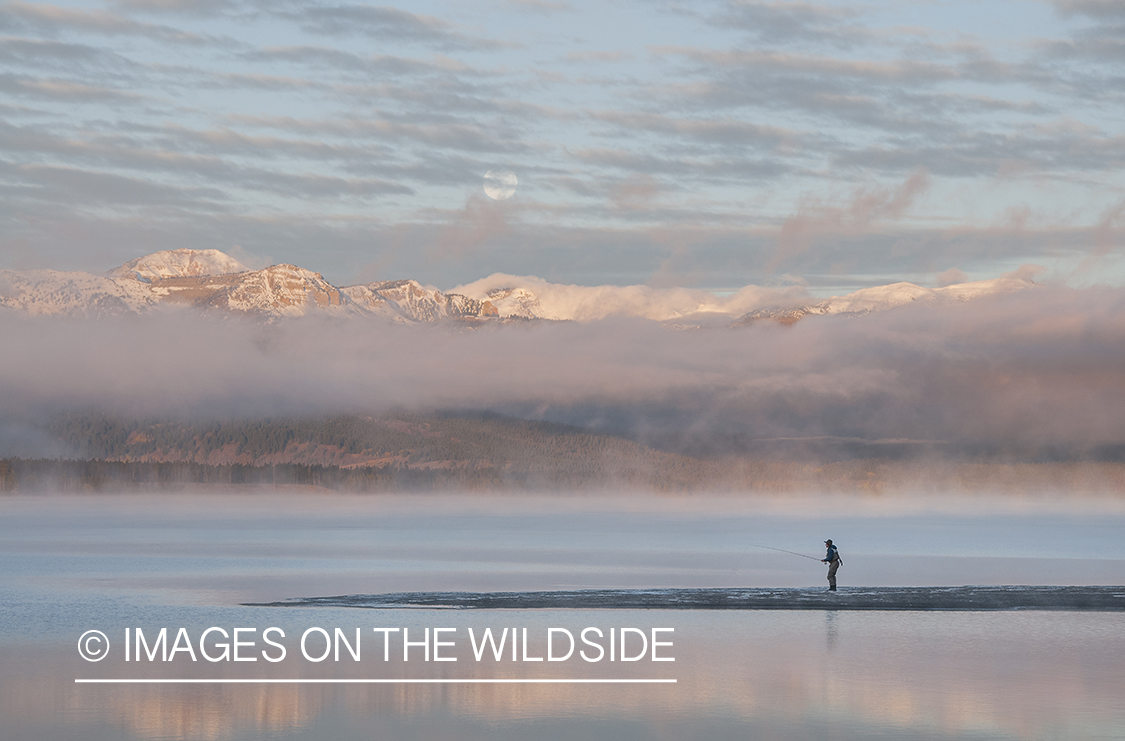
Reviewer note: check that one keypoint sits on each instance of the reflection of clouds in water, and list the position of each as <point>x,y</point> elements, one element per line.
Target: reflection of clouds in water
<point>760,673</point>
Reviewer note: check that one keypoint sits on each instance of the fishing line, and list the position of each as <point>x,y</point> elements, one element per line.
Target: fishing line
<point>738,564</point>
<point>782,550</point>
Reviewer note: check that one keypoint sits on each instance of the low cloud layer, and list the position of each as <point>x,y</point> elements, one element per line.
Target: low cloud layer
<point>1040,368</point>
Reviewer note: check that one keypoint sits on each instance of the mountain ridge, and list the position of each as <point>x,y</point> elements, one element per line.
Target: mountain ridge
<point>210,279</point>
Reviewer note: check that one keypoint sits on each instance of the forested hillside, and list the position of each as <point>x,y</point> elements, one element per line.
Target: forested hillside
<point>404,441</point>
<point>404,452</point>
<point>486,449</point>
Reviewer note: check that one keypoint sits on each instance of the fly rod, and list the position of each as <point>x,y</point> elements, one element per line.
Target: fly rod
<point>782,550</point>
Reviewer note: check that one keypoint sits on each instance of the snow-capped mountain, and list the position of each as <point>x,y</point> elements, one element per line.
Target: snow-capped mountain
<point>212,280</point>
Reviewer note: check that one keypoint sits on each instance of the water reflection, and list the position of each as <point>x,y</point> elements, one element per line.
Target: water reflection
<point>75,565</point>
<point>908,675</point>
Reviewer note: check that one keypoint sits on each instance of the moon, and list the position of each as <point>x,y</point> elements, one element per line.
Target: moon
<point>500,185</point>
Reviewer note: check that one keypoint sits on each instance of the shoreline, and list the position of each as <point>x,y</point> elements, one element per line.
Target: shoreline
<point>962,598</point>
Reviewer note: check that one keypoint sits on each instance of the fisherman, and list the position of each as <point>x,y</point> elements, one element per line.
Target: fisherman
<point>832,558</point>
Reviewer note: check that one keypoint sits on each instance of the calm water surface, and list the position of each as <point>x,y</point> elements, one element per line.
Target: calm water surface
<point>70,564</point>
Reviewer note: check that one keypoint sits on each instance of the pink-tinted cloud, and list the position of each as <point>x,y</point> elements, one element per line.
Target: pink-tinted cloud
<point>868,207</point>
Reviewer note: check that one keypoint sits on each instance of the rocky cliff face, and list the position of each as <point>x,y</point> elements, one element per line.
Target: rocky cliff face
<point>279,290</point>
<point>411,301</point>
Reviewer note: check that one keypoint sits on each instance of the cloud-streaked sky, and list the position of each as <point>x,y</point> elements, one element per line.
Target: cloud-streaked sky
<point>702,144</point>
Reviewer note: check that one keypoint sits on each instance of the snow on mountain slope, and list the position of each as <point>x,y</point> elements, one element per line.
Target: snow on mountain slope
<point>515,302</point>
<point>876,298</point>
<point>370,302</point>
<point>881,298</point>
<point>412,301</point>
<point>178,264</point>
<point>978,288</point>
<point>528,296</point>
<point>74,294</point>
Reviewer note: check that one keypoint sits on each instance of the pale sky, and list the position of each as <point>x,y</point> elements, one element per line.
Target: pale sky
<point>702,144</point>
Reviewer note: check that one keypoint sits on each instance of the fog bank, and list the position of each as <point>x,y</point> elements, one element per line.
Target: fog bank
<point>1035,368</point>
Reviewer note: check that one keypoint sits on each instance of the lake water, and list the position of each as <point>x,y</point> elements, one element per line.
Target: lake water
<point>72,564</point>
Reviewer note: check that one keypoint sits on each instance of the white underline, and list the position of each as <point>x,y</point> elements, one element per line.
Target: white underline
<point>374,681</point>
